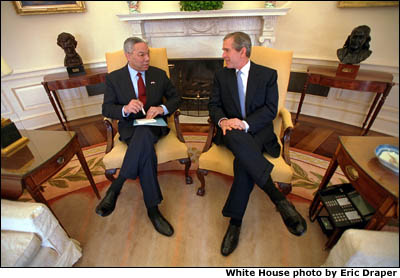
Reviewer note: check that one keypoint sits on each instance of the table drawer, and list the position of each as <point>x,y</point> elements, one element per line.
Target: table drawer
<point>54,165</point>
<point>356,85</point>
<point>366,186</point>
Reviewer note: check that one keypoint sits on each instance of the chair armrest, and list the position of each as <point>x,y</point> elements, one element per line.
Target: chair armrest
<point>108,122</point>
<point>210,135</point>
<point>287,126</point>
<point>178,126</point>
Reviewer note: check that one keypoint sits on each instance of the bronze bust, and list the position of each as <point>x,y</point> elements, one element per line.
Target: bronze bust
<point>356,47</point>
<point>72,60</point>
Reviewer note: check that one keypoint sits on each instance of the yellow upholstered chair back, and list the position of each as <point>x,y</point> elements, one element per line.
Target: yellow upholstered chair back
<point>278,60</point>
<point>158,58</point>
<point>281,61</point>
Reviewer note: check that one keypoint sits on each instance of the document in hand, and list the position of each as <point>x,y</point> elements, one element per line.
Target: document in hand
<point>154,122</point>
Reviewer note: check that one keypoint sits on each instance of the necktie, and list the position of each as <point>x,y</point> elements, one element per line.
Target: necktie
<point>241,94</point>
<point>141,89</point>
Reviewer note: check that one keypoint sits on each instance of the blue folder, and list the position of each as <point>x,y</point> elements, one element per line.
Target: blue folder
<point>158,122</point>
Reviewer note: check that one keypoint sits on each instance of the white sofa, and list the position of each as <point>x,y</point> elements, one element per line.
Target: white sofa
<point>365,248</point>
<point>32,237</point>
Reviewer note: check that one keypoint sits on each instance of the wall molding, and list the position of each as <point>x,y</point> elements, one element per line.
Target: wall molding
<point>85,106</point>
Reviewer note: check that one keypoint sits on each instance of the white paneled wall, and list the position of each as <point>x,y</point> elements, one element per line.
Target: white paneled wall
<point>25,101</point>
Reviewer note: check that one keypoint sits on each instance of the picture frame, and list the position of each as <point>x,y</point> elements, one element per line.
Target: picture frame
<point>48,7</point>
<point>363,4</point>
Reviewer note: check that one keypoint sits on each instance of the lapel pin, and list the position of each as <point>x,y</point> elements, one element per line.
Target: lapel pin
<point>152,82</point>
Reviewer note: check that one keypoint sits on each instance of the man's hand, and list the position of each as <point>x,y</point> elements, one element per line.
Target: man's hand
<point>230,124</point>
<point>154,111</point>
<point>134,106</point>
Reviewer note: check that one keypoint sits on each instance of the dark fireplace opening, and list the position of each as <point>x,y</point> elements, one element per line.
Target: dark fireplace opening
<point>193,79</point>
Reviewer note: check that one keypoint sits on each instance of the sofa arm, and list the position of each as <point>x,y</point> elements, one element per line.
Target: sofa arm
<point>37,218</point>
<point>365,248</point>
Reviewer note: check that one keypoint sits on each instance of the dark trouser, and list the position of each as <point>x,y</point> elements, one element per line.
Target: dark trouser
<point>141,161</point>
<point>250,166</point>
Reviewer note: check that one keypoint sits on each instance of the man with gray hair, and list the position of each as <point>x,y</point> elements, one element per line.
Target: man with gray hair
<point>127,98</point>
<point>243,104</point>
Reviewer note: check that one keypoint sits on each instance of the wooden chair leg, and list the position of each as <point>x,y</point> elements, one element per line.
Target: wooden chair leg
<point>187,163</point>
<point>285,188</point>
<point>110,174</point>
<point>200,175</point>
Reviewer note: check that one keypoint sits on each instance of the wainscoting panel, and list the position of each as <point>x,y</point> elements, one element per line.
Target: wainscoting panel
<point>31,97</point>
<point>25,101</point>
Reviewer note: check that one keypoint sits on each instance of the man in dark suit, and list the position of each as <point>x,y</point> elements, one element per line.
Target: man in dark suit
<point>243,103</point>
<point>133,92</point>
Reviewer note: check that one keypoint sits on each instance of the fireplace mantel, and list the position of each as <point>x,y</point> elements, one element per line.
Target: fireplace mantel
<point>199,34</point>
<point>203,14</point>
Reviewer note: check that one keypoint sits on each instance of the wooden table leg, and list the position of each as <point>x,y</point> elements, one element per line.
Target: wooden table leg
<point>85,167</point>
<point>333,238</point>
<point>379,220</point>
<point>303,94</point>
<point>59,105</point>
<point>53,104</point>
<point>378,108</point>
<point>324,182</point>
<point>370,111</point>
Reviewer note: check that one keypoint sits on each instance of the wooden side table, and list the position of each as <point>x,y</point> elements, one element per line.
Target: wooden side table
<point>378,185</point>
<point>59,81</point>
<point>46,153</point>
<point>366,81</point>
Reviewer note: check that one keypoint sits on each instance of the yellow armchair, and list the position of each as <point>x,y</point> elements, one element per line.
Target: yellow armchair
<point>168,148</point>
<point>220,158</point>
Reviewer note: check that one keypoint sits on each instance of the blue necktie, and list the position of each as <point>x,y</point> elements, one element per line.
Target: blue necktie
<point>241,94</point>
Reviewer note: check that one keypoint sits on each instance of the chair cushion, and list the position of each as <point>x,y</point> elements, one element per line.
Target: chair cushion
<point>18,248</point>
<point>168,148</point>
<point>220,159</point>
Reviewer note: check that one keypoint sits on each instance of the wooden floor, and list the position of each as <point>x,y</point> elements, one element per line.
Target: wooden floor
<point>311,134</point>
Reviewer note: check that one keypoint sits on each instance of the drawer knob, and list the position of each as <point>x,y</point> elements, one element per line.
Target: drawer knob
<point>352,173</point>
<point>60,160</point>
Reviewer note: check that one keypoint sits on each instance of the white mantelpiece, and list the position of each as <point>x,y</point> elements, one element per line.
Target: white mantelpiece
<point>199,34</point>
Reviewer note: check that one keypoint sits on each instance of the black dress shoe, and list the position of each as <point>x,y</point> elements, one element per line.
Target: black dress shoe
<point>292,219</point>
<point>161,224</point>
<point>231,240</point>
<point>107,205</point>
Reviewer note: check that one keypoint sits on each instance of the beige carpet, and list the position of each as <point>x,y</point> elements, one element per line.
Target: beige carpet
<point>127,237</point>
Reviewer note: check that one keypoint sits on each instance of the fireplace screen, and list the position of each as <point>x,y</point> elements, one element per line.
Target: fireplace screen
<point>193,80</point>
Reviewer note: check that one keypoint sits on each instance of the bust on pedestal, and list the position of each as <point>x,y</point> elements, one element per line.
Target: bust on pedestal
<point>354,51</point>
<point>72,60</point>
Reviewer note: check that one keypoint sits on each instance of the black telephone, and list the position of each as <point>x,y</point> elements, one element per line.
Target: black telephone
<point>345,206</point>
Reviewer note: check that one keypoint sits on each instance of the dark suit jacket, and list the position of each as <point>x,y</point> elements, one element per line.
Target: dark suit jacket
<point>120,91</point>
<point>261,103</point>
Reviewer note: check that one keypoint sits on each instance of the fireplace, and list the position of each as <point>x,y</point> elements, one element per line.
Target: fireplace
<point>194,40</point>
<point>193,79</point>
